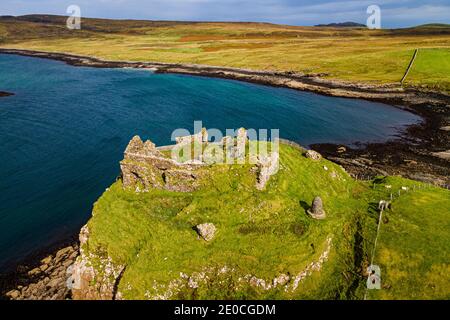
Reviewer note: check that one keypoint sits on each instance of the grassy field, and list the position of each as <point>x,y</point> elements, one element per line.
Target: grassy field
<point>352,54</point>
<point>431,68</point>
<point>413,244</point>
<point>267,233</point>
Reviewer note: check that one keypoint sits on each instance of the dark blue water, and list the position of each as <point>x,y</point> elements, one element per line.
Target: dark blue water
<point>63,133</point>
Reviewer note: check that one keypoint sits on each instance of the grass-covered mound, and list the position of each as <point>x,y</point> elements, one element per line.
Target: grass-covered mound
<point>259,233</point>
<point>266,237</point>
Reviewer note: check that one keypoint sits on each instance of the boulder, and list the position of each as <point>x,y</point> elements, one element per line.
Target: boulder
<point>47,260</point>
<point>34,272</point>
<point>54,283</point>
<point>313,155</point>
<point>341,149</point>
<point>63,253</point>
<point>13,294</point>
<point>206,231</point>
<point>445,155</point>
<point>316,210</point>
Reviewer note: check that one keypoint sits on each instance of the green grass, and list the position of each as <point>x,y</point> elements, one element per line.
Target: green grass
<point>266,233</point>
<point>413,244</point>
<point>352,54</point>
<point>260,233</point>
<point>431,69</point>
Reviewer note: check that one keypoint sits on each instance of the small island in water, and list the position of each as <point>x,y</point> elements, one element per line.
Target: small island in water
<point>5,94</point>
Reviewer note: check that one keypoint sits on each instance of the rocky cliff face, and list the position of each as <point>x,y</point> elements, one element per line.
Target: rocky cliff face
<point>93,276</point>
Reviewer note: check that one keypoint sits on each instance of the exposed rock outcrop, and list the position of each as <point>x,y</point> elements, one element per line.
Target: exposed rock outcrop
<point>313,155</point>
<point>443,155</point>
<point>89,283</point>
<point>206,230</point>
<point>47,281</point>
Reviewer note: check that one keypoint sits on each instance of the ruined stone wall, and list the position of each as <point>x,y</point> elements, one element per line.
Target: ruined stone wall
<point>144,167</point>
<point>267,166</point>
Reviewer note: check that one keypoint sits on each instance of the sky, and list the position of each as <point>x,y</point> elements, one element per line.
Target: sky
<point>394,13</point>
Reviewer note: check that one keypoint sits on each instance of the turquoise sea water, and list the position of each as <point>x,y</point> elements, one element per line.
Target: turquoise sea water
<point>64,131</point>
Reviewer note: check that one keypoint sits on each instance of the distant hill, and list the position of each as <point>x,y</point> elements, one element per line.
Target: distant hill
<point>342,25</point>
<point>433,25</point>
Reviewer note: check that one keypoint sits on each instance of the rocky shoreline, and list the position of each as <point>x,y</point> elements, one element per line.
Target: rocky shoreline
<point>42,276</point>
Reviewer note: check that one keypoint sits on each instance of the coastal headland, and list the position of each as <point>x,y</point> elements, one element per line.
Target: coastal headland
<point>197,229</point>
<point>244,52</point>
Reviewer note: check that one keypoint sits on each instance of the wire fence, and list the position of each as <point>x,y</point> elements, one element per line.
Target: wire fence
<point>364,177</point>
<point>422,185</point>
<point>385,204</point>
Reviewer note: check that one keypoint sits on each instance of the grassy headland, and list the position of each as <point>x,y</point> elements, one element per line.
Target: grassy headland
<point>353,54</point>
<point>268,233</point>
